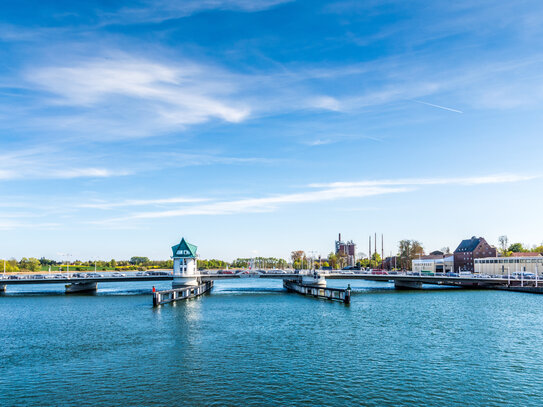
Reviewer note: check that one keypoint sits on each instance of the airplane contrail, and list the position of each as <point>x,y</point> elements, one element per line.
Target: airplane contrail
<point>438,106</point>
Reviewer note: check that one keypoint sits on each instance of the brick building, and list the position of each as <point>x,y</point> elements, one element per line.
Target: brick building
<point>346,249</point>
<point>470,249</point>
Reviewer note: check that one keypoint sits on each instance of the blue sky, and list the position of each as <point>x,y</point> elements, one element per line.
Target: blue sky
<point>261,127</point>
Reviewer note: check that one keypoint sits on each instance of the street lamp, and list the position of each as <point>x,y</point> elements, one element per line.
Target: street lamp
<point>68,256</point>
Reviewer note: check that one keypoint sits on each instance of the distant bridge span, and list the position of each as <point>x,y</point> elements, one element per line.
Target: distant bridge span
<point>399,280</point>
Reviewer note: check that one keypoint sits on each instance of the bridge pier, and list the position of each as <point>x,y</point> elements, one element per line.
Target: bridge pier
<point>407,285</point>
<point>2,288</point>
<point>181,282</point>
<point>314,279</point>
<point>81,287</point>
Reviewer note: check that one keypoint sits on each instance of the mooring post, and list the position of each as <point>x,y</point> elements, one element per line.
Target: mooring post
<point>348,294</point>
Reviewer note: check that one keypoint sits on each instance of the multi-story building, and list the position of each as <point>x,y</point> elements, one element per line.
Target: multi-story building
<point>347,249</point>
<point>434,263</point>
<point>469,250</point>
<point>510,265</point>
<point>390,263</point>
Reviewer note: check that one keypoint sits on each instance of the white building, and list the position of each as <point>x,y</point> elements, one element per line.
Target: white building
<point>433,264</point>
<point>509,265</point>
<point>184,265</point>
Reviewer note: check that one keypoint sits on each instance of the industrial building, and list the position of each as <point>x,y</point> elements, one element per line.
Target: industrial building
<point>347,249</point>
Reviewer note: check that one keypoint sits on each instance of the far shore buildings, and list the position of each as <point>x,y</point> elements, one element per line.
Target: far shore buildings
<point>516,263</point>
<point>346,248</point>
<point>470,249</point>
<point>435,262</point>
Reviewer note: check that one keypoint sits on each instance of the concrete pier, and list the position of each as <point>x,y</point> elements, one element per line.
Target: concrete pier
<point>166,296</point>
<point>525,289</point>
<point>407,285</point>
<point>81,287</point>
<point>334,294</point>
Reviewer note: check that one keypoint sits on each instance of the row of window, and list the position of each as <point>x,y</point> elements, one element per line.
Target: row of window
<point>507,261</point>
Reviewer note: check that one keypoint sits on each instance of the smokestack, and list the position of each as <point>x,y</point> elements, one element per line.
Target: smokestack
<point>375,243</point>
<point>382,248</point>
<point>339,238</point>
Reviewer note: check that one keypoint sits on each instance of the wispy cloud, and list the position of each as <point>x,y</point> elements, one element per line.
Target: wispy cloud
<point>160,10</point>
<point>266,204</point>
<point>6,224</point>
<point>488,179</point>
<point>40,163</point>
<point>141,202</point>
<point>318,192</point>
<point>180,94</point>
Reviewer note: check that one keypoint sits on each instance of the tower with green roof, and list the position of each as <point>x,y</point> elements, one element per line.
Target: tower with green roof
<point>185,271</point>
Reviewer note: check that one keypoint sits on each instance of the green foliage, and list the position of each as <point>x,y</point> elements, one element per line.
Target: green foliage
<point>261,262</point>
<point>517,248</point>
<point>11,266</point>
<point>139,260</point>
<point>333,261</point>
<point>47,262</point>
<point>30,264</point>
<point>211,264</point>
<point>408,251</point>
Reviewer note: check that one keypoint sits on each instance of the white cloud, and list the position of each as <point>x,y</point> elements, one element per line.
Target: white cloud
<point>160,10</point>
<point>323,193</point>
<point>6,224</point>
<point>254,205</point>
<point>178,94</point>
<point>489,179</point>
<point>43,163</point>
<point>141,202</point>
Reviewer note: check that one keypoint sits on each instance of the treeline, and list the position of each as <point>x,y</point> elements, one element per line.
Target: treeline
<point>135,263</point>
<point>507,249</point>
<point>259,262</point>
<point>33,264</point>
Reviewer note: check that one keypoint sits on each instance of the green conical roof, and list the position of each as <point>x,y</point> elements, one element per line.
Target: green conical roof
<point>184,249</point>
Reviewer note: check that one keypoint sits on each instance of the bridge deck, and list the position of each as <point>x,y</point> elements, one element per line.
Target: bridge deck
<point>439,280</point>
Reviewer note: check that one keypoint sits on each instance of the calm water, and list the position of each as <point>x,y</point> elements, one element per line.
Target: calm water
<point>250,343</point>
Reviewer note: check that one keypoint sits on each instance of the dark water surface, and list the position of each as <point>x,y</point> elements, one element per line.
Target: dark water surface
<point>250,343</point>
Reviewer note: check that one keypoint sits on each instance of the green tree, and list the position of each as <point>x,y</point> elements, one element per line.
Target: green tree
<point>503,243</point>
<point>408,251</point>
<point>113,263</point>
<point>332,261</point>
<point>11,266</point>
<point>30,264</point>
<point>376,260</point>
<point>516,248</point>
<point>139,260</point>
